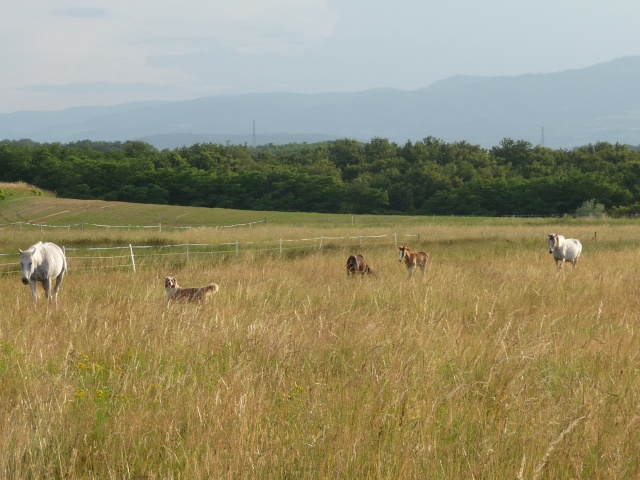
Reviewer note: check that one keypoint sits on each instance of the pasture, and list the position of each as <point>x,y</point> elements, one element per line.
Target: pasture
<point>494,365</point>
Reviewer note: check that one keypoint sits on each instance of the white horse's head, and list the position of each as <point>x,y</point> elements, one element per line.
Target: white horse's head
<point>554,241</point>
<point>27,264</point>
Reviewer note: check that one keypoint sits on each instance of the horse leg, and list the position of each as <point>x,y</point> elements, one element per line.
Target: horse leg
<point>47,288</point>
<point>34,293</point>
<point>57,287</point>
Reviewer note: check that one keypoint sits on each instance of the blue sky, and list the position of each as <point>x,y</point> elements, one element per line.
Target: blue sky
<point>63,53</point>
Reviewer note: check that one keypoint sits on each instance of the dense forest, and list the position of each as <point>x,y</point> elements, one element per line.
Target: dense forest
<point>429,177</point>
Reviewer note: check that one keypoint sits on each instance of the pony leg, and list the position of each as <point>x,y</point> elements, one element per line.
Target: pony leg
<point>411,269</point>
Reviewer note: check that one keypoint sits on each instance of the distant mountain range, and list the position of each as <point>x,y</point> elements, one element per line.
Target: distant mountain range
<point>561,110</point>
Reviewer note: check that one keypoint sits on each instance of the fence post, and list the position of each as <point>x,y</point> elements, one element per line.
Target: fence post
<point>280,246</point>
<point>395,239</point>
<point>237,247</point>
<point>133,260</point>
<point>418,238</point>
<point>320,242</point>
<point>360,240</point>
<point>160,227</point>
<point>187,251</point>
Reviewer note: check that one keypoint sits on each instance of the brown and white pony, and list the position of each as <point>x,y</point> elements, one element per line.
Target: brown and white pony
<point>413,259</point>
<point>356,264</point>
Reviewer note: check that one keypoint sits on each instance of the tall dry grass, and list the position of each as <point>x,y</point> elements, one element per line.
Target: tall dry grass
<point>493,366</point>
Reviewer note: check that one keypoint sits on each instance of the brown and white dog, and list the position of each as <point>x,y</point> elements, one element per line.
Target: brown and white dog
<point>176,293</point>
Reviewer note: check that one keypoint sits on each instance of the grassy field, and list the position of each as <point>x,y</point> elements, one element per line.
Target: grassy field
<point>494,365</point>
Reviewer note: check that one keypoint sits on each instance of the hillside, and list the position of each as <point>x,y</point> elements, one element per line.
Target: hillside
<point>563,109</point>
<point>30,206</point>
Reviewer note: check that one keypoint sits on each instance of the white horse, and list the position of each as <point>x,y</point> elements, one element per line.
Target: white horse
<point>43,262</point>
<point>568,249</point>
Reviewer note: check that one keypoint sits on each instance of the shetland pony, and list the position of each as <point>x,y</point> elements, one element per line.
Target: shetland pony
<point>564,249</point>
<point>413,259</point>
<point>176,293</point>
<point>43,262</point>
<point>356,264</point>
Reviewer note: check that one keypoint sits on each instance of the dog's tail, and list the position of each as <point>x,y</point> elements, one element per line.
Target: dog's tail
<point>212,287</point>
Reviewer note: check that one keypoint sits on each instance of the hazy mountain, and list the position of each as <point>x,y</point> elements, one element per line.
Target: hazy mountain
<point>566,109</point>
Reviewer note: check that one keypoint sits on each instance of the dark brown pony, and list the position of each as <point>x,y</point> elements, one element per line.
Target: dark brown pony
<point>356,264</point>
<point>413,259</point>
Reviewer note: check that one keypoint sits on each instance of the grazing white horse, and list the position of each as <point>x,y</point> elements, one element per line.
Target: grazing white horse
<point>413,259</point>
<point>564,249</point>
<point>43,262</point>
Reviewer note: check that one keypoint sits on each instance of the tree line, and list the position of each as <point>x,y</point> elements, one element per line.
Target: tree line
<point>428,177</point>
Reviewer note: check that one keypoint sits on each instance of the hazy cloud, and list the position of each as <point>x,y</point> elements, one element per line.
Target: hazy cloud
<point>82,12</point>
<point>177,50</point>
<point>98,88</point>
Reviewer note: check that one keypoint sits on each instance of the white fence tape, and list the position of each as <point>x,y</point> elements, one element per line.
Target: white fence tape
<point>192,249</point>
<point>97,225</point>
